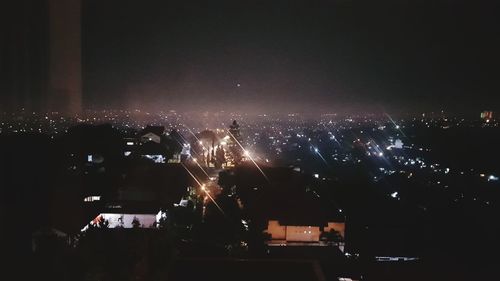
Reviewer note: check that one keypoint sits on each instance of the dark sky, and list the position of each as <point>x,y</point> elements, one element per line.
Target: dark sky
<point>292,55</point>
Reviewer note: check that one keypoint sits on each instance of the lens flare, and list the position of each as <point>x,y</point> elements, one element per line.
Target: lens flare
<point>249,156</point>
<point>202,187</point>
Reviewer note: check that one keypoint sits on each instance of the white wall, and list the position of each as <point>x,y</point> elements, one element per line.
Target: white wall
<point>303,233</point>
<point>125,220</point>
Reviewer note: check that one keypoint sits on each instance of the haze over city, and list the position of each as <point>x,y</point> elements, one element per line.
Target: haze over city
<point>263,56</point>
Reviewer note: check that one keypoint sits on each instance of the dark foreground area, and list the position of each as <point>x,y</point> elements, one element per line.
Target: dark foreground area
<point>444,218</point>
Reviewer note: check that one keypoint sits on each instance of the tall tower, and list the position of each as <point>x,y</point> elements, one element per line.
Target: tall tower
<point>65,59</point>
<point>235,141</point>
<point>234,129</point>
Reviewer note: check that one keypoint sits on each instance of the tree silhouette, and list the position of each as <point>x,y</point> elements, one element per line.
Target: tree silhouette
<point>332,236</point>
<point>136,223</point>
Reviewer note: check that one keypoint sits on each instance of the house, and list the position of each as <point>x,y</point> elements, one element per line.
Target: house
<point>286,207</point>
<point>157,146</point>
<point>290,234</point>
<point>89,148</point>
<point>129,146</point>
<point>154,151</point>
<point>128,214</point>
<point>145,191</point>
<point>301,219</point>
<point>152,133</point>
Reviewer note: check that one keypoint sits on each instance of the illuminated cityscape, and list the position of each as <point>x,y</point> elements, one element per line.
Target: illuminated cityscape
<point>274,181</point>
<point>249,140</point>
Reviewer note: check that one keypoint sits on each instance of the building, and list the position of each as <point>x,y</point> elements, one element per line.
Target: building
<point>234,129</point>
<point>128,214</point>
<point>127,220</point>
<point>129,146</point>
<point>285,206</point>
<point>137,202</point>
<point>303,222</point>
<point>152,133</point>
<point>234,143</point>
<point>487,115</point>
<point>154,151</point>
<point>287,234</point>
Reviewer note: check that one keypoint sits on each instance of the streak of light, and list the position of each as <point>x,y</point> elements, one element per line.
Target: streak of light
<point>202,187</point>
<point>316,150</point>
<point>249,156</point>
<point>197,139</point>
<point>213,201</point>
<point>194,135</point>
<point>329,132</point>
<point>201,168</point>
<point>191,174</point>
<point>395,125</point>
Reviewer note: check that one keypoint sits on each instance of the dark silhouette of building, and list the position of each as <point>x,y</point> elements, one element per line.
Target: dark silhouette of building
<point>235,141</point>
<point>234,129</point>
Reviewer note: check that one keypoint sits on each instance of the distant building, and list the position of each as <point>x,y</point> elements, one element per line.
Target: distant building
<point>154,151</point>
<point>88,148</point>
<point>302,233</point>
<point>152,144</point>
<point>139,200</point>
<point>152,133</point>
<point>130,146</point>
<point>185,152</point>
<point>127,215</point>
<point>125,220</point>
<point>287,210</point>
<point>234,129</point>
<point>487,115</point>
<point>234,143</point>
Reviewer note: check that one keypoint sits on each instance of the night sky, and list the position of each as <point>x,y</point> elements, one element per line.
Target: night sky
<point>260,56</point>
